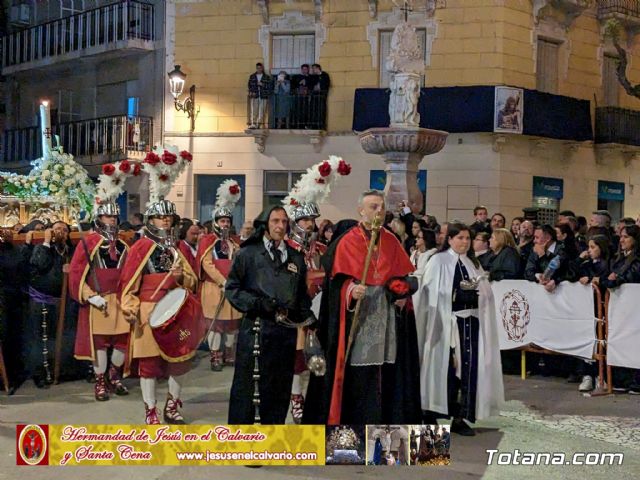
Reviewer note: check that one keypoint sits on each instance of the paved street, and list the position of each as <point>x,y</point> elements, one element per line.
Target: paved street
<point>541,415</point>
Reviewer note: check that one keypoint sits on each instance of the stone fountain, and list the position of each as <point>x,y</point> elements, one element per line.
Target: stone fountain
<point>403,144</point>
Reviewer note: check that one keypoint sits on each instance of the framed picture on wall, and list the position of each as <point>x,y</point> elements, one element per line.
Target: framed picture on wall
<point>508,110</point>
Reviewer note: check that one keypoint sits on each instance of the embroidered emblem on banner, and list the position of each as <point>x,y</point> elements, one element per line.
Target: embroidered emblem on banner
<point>516,315</point>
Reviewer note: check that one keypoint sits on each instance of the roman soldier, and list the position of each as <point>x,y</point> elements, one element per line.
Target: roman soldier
<point>153,268</point>
<point>93,283</point>
<point>215,254</point>
<point>302,206</point>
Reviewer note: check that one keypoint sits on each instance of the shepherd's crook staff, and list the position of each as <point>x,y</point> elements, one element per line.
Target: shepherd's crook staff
<point>375,230</point>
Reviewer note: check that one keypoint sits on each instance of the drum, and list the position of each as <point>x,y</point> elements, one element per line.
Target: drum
<point>177,324</point>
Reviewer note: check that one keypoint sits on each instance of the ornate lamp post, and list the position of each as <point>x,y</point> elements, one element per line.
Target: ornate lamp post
<point>177,80</point>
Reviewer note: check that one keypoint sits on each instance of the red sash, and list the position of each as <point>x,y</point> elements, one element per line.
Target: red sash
<point>150,282</point>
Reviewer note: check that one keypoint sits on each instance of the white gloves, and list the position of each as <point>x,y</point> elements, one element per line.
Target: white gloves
<point>98,302</point>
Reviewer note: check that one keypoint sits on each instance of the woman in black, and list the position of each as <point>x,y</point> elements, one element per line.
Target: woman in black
<point>625,269</point>
<point>505,264</point>
<point>596,266</point>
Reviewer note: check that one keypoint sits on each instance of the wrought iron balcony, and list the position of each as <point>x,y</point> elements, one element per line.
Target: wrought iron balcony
<point>121,25</point>
<point>91,141</point>
<point>617,125</point>
<point>627,12</point>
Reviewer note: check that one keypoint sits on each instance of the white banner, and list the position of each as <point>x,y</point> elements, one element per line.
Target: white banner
<point>623,349</point>
<point>562,321</point>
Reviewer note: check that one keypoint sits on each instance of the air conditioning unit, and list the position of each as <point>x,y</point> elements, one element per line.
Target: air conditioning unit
<point>20,14</point>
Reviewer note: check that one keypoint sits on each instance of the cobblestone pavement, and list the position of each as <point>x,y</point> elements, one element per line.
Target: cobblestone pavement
<point>541,415</point>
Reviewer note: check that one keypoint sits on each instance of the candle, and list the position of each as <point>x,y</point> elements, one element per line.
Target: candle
<point>45,129</point>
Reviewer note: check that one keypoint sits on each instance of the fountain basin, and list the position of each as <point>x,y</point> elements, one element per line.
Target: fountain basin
<point>402,149</point>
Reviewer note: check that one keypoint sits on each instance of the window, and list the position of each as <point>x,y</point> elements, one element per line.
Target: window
<point>288,52</point>
<point>133,106</point>
<point>547,66</point>
<point>385,47</point>
<point>610,80</point>
<point>70,7</point>
<point>277,185</point>
<point>68,106</point>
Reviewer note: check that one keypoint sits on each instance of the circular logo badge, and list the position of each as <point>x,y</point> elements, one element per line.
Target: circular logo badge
<point>33,444</point>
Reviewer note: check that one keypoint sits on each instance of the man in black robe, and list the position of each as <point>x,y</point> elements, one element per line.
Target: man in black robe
<point>267,283</point>
<point>13,276</point>
<point>47,264</point>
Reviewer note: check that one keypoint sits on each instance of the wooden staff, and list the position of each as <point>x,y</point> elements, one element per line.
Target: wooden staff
<point>375,230</point>
<point>60,326</point>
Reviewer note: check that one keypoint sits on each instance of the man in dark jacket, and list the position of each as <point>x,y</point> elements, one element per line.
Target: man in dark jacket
<point>260,87</point>
<point>320,91</point>
<point>267,283</point>
<point>526,243</point>
<point>545,249</point>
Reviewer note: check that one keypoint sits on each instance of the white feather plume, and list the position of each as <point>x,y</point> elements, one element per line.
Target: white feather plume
<point>313,187</point>
<point>111,186</point>
<point>163,173</point>
<point>224,197</point>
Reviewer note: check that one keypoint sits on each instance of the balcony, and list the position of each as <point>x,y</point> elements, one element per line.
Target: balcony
<point>616,125</point>
<point>627,12</point>
<point>92,142</point>
<point>125,26</point>
<point>287,114</point>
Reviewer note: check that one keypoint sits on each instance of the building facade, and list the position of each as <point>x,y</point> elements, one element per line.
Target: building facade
<point>101,66</point>
<point>578,148</point>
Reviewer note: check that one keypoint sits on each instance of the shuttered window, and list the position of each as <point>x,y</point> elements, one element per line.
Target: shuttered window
<point>547,66</point>
<point>288,52</point>
<point>610,81</point>
<point>385,46</point>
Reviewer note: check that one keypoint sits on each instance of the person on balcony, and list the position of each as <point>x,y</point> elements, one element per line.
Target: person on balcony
<point>302,86</point>
<point>260,89</point>
<point>320,91</point>
<point>282,100</point>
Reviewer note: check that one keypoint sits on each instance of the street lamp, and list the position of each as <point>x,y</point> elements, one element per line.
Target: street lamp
<point>177,80</point>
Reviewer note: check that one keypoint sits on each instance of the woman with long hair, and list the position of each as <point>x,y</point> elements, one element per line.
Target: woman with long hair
<point>457,336</point>
<point>625,269</point>
<point>505,264</point>
<point>325,232</point>
<point>424,248</point>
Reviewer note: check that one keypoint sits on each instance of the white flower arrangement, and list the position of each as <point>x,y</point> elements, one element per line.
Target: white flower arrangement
<point>45,180</point>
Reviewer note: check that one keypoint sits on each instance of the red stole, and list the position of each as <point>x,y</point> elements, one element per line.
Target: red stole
<point>388,261</point>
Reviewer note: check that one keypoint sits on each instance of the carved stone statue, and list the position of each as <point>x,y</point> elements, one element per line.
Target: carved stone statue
<point>405,55</point>
<point>406,65</point>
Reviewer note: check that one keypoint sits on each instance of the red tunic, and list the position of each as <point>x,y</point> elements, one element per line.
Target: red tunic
<point>388,260</point>
<point>78,277</point>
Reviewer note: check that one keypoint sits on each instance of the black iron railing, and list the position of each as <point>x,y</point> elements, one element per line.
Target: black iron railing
<point>125,20</point>
<point>617,125</point>
<point>99,136</point>
<point>624,7</point>
<point>288,112</point>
